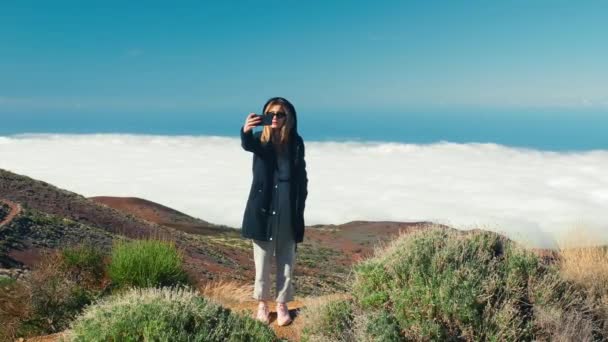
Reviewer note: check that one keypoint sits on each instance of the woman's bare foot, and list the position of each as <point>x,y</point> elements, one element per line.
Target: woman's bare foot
<point>263,314</point>
<point>283,317</point>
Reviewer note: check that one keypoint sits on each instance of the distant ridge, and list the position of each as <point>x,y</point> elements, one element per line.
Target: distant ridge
<point>39,195</point>
<point>159,214</point>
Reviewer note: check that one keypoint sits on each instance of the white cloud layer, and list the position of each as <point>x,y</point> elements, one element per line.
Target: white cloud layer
<point>532,196</point>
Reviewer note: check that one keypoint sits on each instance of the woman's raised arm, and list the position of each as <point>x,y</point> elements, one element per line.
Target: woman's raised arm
<point>248,142</point>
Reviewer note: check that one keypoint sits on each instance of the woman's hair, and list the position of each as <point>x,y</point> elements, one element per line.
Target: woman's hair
<point>290,121</point>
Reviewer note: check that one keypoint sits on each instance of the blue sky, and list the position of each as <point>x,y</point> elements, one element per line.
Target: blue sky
<point>392,56</point>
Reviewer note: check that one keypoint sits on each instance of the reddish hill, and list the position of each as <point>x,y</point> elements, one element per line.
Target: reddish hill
<point>38,195</point>
<point>159,214</point>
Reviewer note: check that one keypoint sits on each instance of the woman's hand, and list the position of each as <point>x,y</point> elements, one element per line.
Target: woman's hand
<point>251,122</point>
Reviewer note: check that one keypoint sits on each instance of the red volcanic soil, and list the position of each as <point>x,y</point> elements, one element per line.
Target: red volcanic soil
<point>28,257</point>
<point>158,213</point>
<point>145,209</point>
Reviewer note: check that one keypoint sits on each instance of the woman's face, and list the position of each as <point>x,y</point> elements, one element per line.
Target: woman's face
<point>277,122</point>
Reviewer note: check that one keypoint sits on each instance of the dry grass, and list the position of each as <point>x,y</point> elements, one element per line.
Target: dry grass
<point>565,326</point>
<point>586,265</point>
<point>229,294</point>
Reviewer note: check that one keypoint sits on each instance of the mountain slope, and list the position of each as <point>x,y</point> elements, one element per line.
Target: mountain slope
<point>159,214</point>
<point>41,196</point>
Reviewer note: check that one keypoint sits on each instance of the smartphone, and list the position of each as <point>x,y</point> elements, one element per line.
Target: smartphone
<point>266,120</point>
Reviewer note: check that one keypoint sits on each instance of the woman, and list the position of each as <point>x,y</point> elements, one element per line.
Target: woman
<point>274,216</point>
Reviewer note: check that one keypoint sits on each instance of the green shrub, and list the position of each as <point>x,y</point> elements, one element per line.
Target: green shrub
<point>146,263</point>
<point>49,300</point>
<point>164,314</point>
<point>6,281</point>
<point>448,285</point>
<point>381,326</point>
<point>85,262</point>
<point>55,303</point>
<point>329,321</point>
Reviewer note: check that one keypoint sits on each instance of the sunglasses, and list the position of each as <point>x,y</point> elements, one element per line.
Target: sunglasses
<point>279,115</point>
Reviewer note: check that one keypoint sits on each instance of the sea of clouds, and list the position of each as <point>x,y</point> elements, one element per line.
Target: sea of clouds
<point>533,196</point>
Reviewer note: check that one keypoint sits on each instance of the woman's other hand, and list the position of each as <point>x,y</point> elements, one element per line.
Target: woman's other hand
<point>251,122</point>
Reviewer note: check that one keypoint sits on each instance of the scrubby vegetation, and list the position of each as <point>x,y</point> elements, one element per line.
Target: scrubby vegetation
<point>55,293</point>
<point>146,263</point>
<point>434,284</point>
<point>329,319</point>
<point>4,210</point>
<point>33,228</point>
<point>67,280</point>
<point>165,314</point>
<point>86,262</point>
<point>446,285</point>
<point>587,267</point>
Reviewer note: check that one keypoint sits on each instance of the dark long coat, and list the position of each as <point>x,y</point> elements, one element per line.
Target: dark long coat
<point>257,213</point>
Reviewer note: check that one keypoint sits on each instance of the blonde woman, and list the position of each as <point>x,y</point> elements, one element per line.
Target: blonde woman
<point>274,215</point>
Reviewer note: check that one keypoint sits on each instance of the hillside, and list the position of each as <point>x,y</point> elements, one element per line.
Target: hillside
<point>159,214</point>
<point>55,218</point>
<point>44,197</point>
<point>8,211</point>
<point>23,240</point>
<point>4,210</point>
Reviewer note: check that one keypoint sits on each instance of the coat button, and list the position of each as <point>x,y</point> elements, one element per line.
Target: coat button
<point>273,212</point>
<point>276,186</point>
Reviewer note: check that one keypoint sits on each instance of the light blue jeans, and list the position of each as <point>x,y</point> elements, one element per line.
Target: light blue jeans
<point>284,253</point>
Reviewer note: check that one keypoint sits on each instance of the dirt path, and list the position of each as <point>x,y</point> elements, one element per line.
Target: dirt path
<point>237,297</point>
<point>15,210</point>
<point>290,332</point>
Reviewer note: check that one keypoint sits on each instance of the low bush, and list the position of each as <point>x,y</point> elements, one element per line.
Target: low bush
<point>449,285</point>
<point>85,263</point>
<point>56,295</point>
<point>146,263</point>
<point>164,314</point>
<point>15,307</point>
<point>6,281</point>
<point>329,320</point>
<point>48,300</point>
<point>84,257</point>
